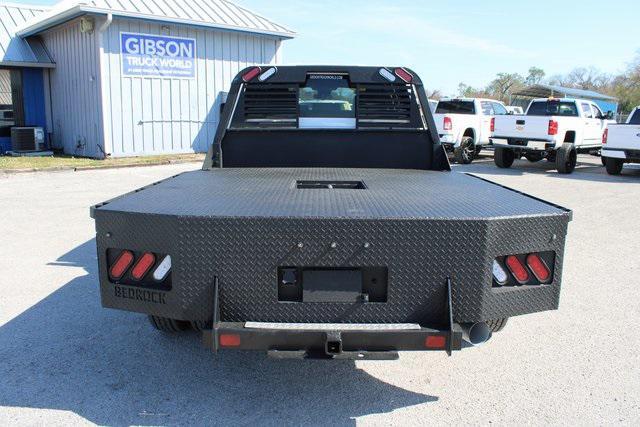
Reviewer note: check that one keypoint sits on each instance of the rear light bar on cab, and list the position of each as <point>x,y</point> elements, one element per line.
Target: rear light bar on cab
<point>251,74</point>
<point>535,268</point>
<point>403,74</point>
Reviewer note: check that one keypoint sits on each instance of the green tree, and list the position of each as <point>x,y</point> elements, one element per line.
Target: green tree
<point>504,85</point>
<point>535,76</point>
<point>466,91</point>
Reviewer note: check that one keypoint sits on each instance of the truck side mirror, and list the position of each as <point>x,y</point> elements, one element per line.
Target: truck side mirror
<point>609,115</point>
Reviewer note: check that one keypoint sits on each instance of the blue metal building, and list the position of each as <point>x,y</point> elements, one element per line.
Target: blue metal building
<point>24,67</point>
<point>133,77</point>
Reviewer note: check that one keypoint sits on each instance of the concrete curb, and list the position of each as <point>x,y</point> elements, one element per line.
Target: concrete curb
<point>97,167</point>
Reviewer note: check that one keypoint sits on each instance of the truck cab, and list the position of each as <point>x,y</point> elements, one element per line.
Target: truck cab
<point>553,129</point>
<point>326,222</point>
<point>465,125</point>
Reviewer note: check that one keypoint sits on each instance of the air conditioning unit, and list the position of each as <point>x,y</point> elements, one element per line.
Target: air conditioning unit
<point>27,139</point>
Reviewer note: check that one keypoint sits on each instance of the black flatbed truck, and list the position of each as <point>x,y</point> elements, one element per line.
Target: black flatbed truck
<point>326,223</point>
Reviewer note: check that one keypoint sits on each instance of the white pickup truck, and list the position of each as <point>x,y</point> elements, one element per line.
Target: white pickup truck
<point>621,143</point>
<point>465,125</point>
<point>555,129</point>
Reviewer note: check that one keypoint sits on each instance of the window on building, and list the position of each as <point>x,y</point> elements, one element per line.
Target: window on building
<point>7,118</point>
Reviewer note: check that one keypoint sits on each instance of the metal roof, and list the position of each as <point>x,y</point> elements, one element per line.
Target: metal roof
<point>16,51</point>
<point>221,14</point>
<point>545,91</point>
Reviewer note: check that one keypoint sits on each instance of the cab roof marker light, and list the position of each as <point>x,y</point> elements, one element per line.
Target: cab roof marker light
<point>403,74</point>
<point>143,265</point>
<point>251,74</point>
<point>270,72</point>
<point>162,270</point>
<point>387,74</point>
<point>499,273</point>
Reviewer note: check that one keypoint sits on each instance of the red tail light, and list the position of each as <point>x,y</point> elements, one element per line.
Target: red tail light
<point>403,74</point>
<point>229,340</point>
<point>251,74</point>
<point>518,270</point>
<point>493,124</point>
<point>435,341</point>
<point>538,267</point>
<point>553,127</point>
<point>605,136</point>
<point>121,265</point>
<point>143,265</point>
<point>447,124</point>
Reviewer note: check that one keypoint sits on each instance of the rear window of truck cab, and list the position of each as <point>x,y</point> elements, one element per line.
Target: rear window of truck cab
<point>456,107</point>
<point>553,108</point>
<point>327,100</point>
<point>635,119</point>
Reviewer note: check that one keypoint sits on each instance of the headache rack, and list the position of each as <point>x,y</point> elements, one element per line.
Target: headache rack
<point>377,106</point>
<point>386,105</point>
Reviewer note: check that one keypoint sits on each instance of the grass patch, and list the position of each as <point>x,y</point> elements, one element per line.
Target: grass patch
<point>8,163</point>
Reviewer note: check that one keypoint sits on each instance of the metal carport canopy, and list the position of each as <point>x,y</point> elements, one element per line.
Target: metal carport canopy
<point>546,91</point>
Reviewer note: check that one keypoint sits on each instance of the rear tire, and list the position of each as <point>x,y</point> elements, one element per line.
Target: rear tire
<point>566,159</point>
<point>497,325</point>
<point>199,325</point>
<point>614,166</point>
<point>466,152</point>
<point>165,324</point>
<point>603,160</point>
<point>503,157</point>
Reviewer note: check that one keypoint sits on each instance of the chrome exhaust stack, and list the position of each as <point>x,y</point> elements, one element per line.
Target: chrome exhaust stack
<point>476,333</point>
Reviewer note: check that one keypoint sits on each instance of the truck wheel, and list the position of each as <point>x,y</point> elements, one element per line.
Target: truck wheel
<point>199,325</point>
<point>614,166</point>
<point>603,160</point>
<point>566,159</point>
<point>497,325</point>
<point>503,157</point>
<point>165,324</point>
<point>533,157</point>
<point>466,152</point>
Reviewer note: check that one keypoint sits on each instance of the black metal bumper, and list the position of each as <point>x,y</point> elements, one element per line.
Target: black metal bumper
<point>372,343</point>
<point>332,344</point>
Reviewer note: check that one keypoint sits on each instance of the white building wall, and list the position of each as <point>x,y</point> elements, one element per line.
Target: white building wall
<point>148,115</point>
<point>76,111</point>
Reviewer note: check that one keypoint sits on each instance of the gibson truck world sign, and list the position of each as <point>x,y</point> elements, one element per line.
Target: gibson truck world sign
<point>145,55</point>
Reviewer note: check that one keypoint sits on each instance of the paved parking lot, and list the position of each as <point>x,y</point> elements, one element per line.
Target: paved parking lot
<point>64,359</point>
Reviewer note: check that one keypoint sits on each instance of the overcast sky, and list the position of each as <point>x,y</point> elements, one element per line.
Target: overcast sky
<point>462,41</point>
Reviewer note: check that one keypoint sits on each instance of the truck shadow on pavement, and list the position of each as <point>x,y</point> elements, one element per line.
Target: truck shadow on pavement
<point>110,367</point>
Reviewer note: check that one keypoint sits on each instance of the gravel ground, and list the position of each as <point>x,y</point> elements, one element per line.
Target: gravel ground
<point>64,359</point>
